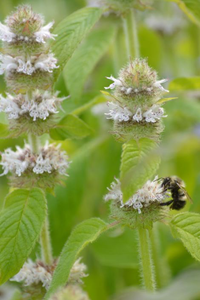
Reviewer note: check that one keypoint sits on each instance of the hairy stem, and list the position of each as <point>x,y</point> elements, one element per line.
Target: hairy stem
<point>45,240</point>
<point>116,55</point>
<point>46,244</point>
<point>131,35</point>
<point>33,139</point>
<point>147,268</point>
<point>34,143</point>
<point>135,34</point>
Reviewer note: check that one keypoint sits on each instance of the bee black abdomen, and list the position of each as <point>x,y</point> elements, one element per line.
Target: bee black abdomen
<point>178,204</point>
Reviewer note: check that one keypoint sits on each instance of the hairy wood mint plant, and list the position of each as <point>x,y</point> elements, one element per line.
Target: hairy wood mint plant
<point>137,201</point>
<point>31,65</point>
<point>33,55</point>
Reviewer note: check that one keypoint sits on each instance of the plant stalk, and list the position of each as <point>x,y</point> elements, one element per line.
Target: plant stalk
<point>34,143</point>
<point>45,241</point>
<point>135,34</point>
<point>147,268</point>
<point>33,140</point>
<point>131,35</point>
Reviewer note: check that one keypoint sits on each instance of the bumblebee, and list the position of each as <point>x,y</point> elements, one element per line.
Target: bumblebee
<point>178,192</point>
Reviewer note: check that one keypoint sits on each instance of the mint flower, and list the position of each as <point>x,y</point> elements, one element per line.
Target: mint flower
<point>40,106</point>
<point>122,114</point>
<point>49,159</point>
<point>44,33</point>
<point>118,113</point>
<point>150,193</point>
<point>135,106</point>
<point>37,272</point>
<point>12,32</point>
<point>130,90</point>
<point>45,62</point>
<point>6,35</point>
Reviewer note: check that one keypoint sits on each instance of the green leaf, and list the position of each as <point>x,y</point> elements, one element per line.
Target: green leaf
<point>83,234</point>
<point>21,222</point>
<point>185,84</point>
<point>185,226</point>
<point>70,127</point>
<point>164,100</point>
<point>191,9</point>
<point>138,164</point>
<point>117,251</point>
<point>85,58</point>
<point>71,31</point>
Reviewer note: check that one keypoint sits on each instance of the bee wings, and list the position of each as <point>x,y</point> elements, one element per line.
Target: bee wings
<point>186,193</point>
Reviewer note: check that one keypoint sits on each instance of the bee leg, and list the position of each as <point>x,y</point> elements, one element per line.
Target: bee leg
<point>166,203</point>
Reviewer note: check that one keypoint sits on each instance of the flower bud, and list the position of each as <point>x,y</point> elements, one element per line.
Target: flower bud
<point>25,32</point>
<point>142,209</point>
<point>135,108</point>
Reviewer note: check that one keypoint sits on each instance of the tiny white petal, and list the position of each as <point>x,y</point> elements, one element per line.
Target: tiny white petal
<point>128,91</point>
<point>44,33</point>
<point>154,114</point>
<point>46,63</point>
<point>138,115</point>
<point>118,112</point>
<point>116,82</point>
<point>157,84</point>
<point>6,35</point>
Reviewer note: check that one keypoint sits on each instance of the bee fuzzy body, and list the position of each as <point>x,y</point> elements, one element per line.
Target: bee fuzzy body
<point>177,188</point>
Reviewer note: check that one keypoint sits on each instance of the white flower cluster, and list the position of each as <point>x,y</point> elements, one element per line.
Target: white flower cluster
<point>48,160</point>
<point>40,106</point>
<point>45,62</point>
<point>33,273</point>
<point>130,90</point>
<point>6,35</point>
<point>77,272</point>
<point>38,272</point>
<point>123,114</point>
<point>149,193</point>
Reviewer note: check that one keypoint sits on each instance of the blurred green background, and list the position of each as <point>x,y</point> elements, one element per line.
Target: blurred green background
<point>174,52</point>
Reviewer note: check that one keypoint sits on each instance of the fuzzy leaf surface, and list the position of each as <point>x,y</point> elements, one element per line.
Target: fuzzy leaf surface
<point>21,222</point>
<point>71,31</point>
<point>70,127</point>
<point>85,58</point>
<point>138,164</point>
<point>185,226</point>
<point>83,234</point>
